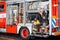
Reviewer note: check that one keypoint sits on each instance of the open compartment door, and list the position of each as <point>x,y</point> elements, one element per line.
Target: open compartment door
<point>11,21</point>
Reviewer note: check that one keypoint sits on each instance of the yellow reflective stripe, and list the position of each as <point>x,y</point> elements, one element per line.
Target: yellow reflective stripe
<point>34,28</point>
<point>53,16</point>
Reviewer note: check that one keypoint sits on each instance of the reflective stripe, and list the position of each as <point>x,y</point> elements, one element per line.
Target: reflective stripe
<point>3,15</point>
<point>55,4</point>
<point>53,23</point>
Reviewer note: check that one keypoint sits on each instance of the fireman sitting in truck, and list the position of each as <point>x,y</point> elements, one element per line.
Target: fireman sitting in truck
<point>41,17</point>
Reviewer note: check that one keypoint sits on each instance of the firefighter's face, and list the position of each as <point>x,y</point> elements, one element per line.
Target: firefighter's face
<point>41,10</point>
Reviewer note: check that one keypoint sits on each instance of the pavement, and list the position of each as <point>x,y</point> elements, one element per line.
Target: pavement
<point>4,36</point>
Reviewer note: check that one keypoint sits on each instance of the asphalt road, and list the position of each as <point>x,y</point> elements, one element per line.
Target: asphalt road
<point>4,36</point>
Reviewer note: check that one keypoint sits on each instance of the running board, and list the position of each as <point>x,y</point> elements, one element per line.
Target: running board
<point>38,34</point>
<point>2,30</point>
<point>45,36</point>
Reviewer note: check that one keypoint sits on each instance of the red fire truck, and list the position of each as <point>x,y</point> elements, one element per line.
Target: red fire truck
<point>17,17</point>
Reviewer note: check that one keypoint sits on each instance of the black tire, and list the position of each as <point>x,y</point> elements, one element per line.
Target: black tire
<point>21,36</point>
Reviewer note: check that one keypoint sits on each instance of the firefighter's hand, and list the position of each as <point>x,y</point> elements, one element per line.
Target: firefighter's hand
<point>43,17</point>
<point>34,23</point>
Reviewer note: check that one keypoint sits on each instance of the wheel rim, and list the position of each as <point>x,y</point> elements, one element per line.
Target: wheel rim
<point>24,33</point>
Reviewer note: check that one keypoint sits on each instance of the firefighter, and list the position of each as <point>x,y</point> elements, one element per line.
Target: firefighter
<point>41,17</point>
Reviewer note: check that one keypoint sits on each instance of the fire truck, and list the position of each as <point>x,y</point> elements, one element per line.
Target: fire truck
<point>17,17</point>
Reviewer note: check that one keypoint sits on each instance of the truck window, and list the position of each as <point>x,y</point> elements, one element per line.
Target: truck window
<point>1,8</point>
<point>32,5</point>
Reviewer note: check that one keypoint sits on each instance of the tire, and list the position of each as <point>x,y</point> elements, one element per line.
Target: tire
<point>24,33</point>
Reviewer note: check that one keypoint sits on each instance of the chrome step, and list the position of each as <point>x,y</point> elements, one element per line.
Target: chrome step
<point>39,34</point>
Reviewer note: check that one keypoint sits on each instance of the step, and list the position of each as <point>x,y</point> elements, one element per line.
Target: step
<point>40,35</point>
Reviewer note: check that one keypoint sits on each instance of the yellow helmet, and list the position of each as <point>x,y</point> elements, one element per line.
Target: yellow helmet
<point>37,22</point>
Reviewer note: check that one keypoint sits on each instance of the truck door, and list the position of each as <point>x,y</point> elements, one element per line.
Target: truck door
<point>56,17</point>
<point>55,11</point>
<point>11,22</point>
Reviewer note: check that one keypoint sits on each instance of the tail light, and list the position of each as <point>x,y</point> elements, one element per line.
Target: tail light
<point>54,29</point>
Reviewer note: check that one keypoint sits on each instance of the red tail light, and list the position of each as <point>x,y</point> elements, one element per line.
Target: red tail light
<point>54,29</point>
